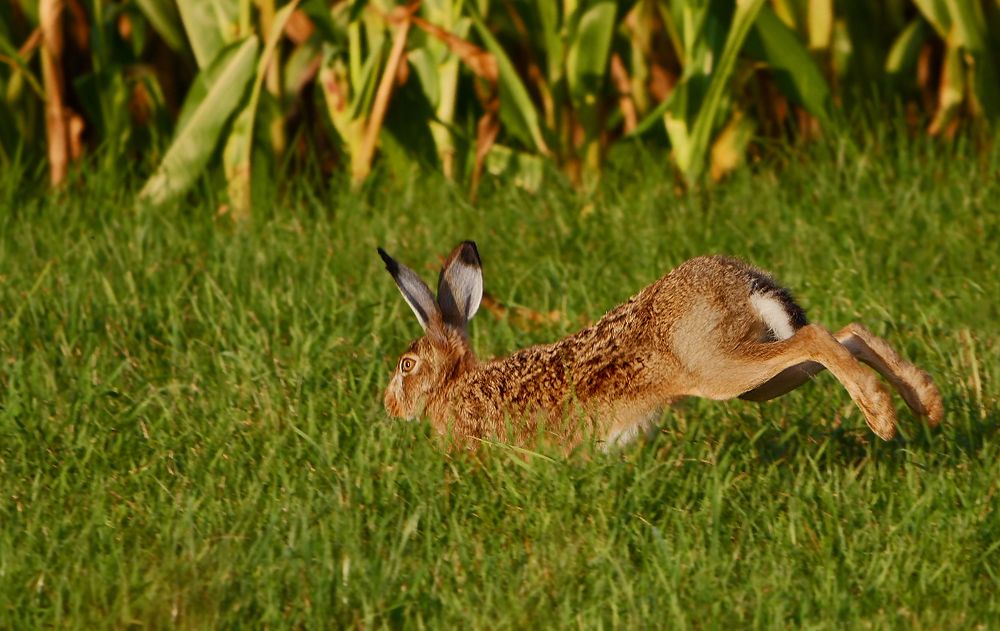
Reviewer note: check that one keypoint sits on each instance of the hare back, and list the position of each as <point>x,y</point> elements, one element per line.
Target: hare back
<point>744,298</point>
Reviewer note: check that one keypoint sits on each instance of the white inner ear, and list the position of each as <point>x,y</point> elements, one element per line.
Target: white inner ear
<point>467,285</point>
<point>460,292</point>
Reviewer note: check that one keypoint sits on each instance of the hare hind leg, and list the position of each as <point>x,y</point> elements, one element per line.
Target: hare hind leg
<point>913,384</point>
<point>793,360</point>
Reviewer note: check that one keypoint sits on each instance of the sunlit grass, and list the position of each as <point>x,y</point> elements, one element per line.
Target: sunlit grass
<point>191,430</point>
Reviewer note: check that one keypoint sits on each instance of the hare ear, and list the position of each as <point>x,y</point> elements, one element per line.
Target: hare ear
<point>414,290</point>
<point>460,285</point>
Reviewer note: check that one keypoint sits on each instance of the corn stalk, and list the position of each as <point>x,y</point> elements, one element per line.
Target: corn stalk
<point>56,127</point>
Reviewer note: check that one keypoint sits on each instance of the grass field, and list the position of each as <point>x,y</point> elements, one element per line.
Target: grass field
<point>191,429</point>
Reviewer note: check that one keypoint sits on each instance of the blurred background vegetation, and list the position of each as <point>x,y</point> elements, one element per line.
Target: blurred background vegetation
<point>174,89</point>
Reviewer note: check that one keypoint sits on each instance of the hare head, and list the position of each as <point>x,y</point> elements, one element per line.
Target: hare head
<point>433,360</point>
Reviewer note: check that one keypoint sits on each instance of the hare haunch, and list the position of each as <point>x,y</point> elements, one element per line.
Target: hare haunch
<point>713,327</point>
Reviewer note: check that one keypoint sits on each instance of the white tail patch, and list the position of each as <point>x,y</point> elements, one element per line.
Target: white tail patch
<point>774,315</point>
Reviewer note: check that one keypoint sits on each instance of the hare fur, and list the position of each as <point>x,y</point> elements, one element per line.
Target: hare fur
<point>713,327</point>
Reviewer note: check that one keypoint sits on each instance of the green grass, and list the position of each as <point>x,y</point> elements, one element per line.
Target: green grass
<point>191,431</point>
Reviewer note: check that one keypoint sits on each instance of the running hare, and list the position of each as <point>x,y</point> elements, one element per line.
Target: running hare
<point>714,327</point>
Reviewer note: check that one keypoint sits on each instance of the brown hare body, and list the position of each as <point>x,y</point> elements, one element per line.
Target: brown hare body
<point>713,327</point>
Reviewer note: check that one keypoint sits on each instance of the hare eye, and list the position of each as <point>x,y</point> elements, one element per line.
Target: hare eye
<point>407,364</point>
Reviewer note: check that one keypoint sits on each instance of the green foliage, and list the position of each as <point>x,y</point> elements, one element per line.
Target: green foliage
<point>465,85</point>
<point>794,70</point>
<point>517,110</point>
<point>696,103</point>
<point>239,145</point>
<point>216,95</point>
<point>192,435</point>
<point>972,46</point>
<point>210,26</point>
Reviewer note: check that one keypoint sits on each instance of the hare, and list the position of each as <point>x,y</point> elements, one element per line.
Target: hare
<point>714,327</point>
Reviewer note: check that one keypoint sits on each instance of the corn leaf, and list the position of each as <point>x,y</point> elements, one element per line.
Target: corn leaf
<point>971,33</point>
<point>516,108</point>
<point>236,156</point>
<point>936,13</point>
<point>902,58</point>
<point>361,161</point>
<point>328,28</point>
<point>986,89</point>
<point>209,25</point>
<point>690,139</point>
<point>162,14</point>
<point>364,85</point>
<point>793,68</point>
<point>730,146</point>
<point>357,6</point>
<point>525,170</point>
<point>13,58</point>
<point>587,62</point>
<point>548,18</point>
<point>969,25</point>
<point>437,64</point>
<point>820,24</point>
<point>651,119</point>
<point>336,93</point>
<point>952,89</point>
<point>197,139</point>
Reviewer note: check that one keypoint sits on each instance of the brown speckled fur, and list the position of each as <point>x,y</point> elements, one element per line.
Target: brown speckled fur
<point>693,332</point>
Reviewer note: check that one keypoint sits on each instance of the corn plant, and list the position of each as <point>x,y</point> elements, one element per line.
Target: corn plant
<point>358,75</point>
<point>22,95</point>
<point>438,69</point>
<point>469,86</point>
<point>221,105</point>
<point>970,32</point>
<point>565,66</point>
<point>78,79</point>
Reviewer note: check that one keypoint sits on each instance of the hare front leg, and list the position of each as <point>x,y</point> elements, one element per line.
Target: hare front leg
<point>793,361</point>
<point>915,386</point>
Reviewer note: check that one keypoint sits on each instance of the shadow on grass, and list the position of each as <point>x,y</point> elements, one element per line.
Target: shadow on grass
<point>965,433</point>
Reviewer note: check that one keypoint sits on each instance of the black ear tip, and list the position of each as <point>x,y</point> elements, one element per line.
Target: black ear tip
<point>470,254</point>
<point>390,265</point>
